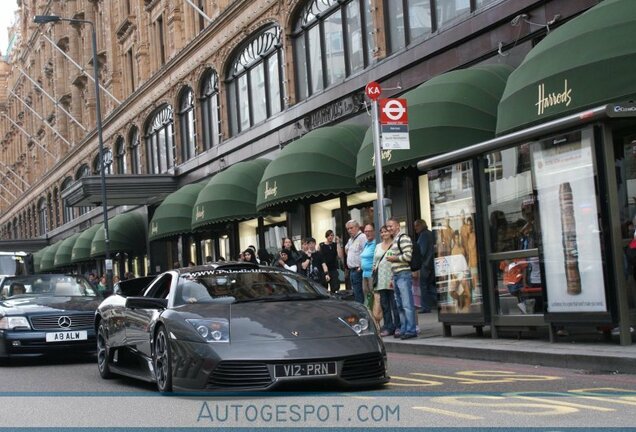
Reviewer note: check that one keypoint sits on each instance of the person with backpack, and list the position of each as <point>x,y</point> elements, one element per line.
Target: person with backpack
<point>400,256</point>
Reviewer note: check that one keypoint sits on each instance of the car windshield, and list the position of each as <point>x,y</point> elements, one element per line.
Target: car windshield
<point>246,286</point>
<point>46,285</point>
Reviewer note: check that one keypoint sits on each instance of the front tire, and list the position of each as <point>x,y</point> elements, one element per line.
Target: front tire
<point>162,354</point>
<point>104,355</point>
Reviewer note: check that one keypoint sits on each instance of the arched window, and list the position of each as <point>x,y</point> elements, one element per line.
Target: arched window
<point>108,162</point>
<point>210,124</point>
<point>332,40</point>
<point>255,81</point>
<point>43,216</point>
<point>134,145</point>
<point>82,172</point>
<point>160,141</point>
<point>408,20</point>
<point>68,211</point>
<point>120,156</point>
<point>186,124</point>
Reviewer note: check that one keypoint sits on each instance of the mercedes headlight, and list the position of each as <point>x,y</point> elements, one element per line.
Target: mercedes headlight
<point>212,330</point>
<point>359,324</point>
<point>14,323</point>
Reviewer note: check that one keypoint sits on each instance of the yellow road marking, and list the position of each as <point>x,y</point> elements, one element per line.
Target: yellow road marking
<point>560,402</point>
<point>448,413</point>
<point>491,403</point>
<point>418,382</point>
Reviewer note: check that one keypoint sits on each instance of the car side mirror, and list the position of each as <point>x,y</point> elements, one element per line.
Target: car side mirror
<point>146,303</point>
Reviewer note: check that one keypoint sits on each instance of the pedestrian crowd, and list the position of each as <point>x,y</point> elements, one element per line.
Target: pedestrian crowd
<point>379,272</point>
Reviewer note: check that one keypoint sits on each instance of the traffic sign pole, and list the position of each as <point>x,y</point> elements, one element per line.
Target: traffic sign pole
<point>373,91</point>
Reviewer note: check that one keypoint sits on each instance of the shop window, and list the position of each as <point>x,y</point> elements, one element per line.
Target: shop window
<point>406,21</point>
<point>332,40</point>
<point>494,169</point>
<point>82,172</point>
<point>134,145</point>
<point>120,152</point>
<point>448,10</point>
<point>186,123</point>
<point>67,213</point>
<point>453,214</point>
<point>254,81</point>
<point>43,219</point>
<point>160,141</point>
<point>210,109</point>
<point>108,163</point>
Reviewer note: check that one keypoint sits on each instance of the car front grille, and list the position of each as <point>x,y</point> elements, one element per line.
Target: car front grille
<point>363,367</point>
<point>51,322</point>
<point>239,374</point>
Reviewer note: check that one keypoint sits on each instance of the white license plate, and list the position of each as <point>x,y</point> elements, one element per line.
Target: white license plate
<point>305,369</point>
<point>66,336</point>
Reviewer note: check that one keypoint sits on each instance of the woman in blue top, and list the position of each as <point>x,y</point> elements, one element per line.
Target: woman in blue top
<point>366,264</point>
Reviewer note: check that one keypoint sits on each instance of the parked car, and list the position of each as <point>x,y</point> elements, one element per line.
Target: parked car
<point>236,326</point>
<point>46,313</point>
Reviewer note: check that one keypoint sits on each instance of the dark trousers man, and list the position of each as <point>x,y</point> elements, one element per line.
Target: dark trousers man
<point>355,276</point>
<point>428,292</point>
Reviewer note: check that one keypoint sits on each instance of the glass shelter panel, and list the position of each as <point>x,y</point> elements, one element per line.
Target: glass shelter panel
<point>453,222</point>
<point>512,230</point>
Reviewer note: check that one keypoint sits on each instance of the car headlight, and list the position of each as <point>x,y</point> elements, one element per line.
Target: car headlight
<point>212,330</point>
<point>359,324</point>
<point>14,322</point>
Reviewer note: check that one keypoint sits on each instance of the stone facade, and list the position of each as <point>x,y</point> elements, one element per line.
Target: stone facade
<point>149,50</point>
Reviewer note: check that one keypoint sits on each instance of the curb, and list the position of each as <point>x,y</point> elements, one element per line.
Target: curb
<point>595,363</point>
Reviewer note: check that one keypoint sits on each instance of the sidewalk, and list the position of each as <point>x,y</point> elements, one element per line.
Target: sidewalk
<point>584,349</point>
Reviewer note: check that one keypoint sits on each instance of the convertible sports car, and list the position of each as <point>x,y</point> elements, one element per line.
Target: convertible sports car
<point>46,314</point>
<point>236,326</point>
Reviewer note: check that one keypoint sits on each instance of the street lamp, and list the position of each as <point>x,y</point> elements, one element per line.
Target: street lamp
<point>43,19</point>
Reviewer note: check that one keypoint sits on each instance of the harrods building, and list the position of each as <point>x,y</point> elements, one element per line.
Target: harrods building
<point>234,123</point>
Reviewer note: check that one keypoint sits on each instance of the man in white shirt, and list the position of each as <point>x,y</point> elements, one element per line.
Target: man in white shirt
<point>353,249</point>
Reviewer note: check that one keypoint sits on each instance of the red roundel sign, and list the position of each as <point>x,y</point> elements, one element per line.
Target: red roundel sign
<point>373,90</point>
<point>393,111</point>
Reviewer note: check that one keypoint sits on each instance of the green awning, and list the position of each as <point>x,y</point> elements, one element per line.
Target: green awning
<point>229,195</point>
<point>82,247</point>
<point>127,233</point>
<point>63,254</point>
<point>48,257</point>
<point>586,62</point>
<point>37,259</point>
<point>448,112</point>
<point>323,162</point>
<point>174,214</point>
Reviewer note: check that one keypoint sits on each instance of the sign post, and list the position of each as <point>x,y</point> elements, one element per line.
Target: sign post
<point>395,124</point>
<point>373,91</point>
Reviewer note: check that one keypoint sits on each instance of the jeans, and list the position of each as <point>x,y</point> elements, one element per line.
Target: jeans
<point>356,285</point>
<point>403,284</point>
<point>428,292</point>
<point>391,316</point>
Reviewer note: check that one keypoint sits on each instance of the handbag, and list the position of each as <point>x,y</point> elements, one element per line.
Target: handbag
<point>374,272</point>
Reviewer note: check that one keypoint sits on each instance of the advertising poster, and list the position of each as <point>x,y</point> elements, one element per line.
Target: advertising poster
<point>564,173</point>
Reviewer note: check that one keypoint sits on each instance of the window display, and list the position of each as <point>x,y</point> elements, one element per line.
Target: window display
<point>565,174</point>
<point>456,254</point>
